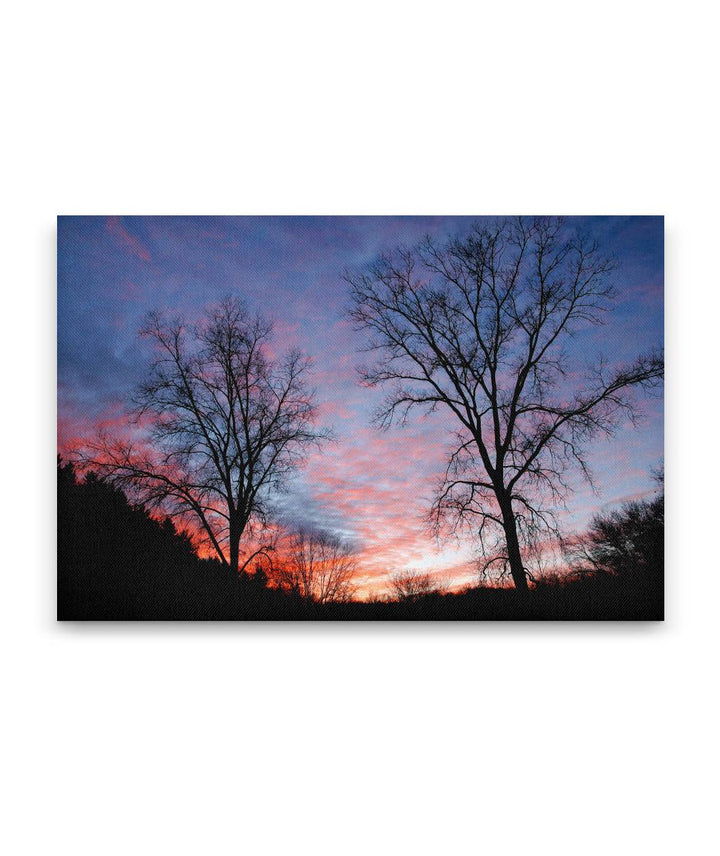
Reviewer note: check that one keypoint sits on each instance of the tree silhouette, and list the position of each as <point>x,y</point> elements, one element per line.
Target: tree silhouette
<point>320,567</point>
<point>479,326</point>
<point>411,585</point>
<point>225,423</point>
<point>627,543</point>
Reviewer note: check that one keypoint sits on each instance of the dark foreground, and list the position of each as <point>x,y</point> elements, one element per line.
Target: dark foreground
<point>117,563</point>
<point>591,600</point>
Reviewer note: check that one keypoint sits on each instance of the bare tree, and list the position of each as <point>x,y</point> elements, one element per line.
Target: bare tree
<point>411,585</point>
<point>225,425</point>
<point>479,326</point>
<point>627,542</point>
<point>320,567</point>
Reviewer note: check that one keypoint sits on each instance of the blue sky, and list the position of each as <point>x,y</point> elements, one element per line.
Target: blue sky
<point>371,486</point>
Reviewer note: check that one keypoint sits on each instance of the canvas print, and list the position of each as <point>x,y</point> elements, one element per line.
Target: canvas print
<point>360,418</point>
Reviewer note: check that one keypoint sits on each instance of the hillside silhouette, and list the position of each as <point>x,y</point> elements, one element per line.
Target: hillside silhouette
<point>117,562</point>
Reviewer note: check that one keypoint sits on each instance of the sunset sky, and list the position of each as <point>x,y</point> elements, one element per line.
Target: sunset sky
<point>371,486</point>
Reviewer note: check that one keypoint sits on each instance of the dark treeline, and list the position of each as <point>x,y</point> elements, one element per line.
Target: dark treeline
<point>116,562</point>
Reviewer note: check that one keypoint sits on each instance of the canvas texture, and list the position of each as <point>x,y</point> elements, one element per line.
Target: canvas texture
<point>360,418</point>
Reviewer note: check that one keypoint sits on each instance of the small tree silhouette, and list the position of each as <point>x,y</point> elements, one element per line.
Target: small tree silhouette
<point>626,543</point>
<point>412,585</point>
<point>320,567</point>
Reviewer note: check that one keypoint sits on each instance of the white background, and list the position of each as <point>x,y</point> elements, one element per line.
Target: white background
<point>500,739</point>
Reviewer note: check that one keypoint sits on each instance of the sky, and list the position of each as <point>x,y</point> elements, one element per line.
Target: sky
<point>370,486</point>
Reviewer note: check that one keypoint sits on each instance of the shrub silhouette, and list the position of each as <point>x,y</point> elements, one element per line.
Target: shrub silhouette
<point>624,550</point>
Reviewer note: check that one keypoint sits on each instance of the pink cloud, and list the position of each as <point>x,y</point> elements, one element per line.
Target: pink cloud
<point>129,242</point>
<point>329,410</point>
<point>381,483</point>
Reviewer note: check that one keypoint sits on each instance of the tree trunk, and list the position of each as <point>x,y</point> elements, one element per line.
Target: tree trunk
<point>234,549</point>
<point>517,571</point>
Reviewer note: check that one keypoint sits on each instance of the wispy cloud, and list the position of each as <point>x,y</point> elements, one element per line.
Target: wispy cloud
<point>126,240</point>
